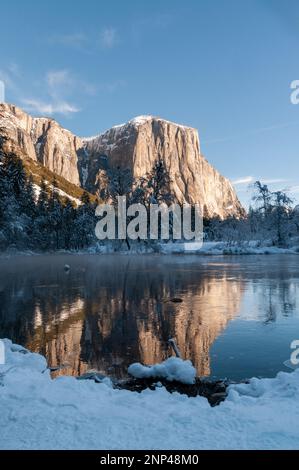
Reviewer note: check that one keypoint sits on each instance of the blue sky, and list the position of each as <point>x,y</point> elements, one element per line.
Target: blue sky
<point>223,66</point>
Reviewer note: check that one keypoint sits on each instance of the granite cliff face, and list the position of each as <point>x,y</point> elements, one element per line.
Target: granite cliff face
<point>140,142</point>
<point>42,140</point>
<point>135,145</point>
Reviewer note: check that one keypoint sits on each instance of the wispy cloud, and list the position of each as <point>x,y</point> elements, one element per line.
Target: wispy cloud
<point>49,109</point>
<point>54,85</point>
<point>59,90</point>
<point>243,180</point>
<point>58,85</point>
<point>246,180</point>
<point>108,38</point>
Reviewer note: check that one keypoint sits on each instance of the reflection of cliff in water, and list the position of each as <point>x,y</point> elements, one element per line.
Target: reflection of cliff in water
<point>108,312</point>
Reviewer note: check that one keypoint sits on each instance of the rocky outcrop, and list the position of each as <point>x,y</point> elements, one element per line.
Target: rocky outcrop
<point>135,145</point>
<point>42,140</point>
<point>15,128</point>
<point>139,143</point>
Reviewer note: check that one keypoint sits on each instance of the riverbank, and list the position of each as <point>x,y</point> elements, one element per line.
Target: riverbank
<point>38,412</point>
<point>207,249</point>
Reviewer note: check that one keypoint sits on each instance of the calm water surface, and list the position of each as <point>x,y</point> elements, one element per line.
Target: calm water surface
<point>237,317</point>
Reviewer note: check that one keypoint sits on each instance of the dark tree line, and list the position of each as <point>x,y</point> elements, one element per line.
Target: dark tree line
<point>38,217</point>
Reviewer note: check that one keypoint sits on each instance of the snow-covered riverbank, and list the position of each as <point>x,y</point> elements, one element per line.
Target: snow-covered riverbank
<point>40,413</point>
<point>223,248</point>
<point>208,248</point>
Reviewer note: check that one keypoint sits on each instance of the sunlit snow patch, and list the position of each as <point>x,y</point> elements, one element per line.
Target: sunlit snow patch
<point>172,369</point>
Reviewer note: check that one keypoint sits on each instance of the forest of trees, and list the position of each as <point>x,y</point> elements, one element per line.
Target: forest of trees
<point>272,219</point>
<point>39,218</point>
<point>42,220</point>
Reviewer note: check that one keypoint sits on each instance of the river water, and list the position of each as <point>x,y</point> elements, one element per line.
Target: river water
<point>234,317</point>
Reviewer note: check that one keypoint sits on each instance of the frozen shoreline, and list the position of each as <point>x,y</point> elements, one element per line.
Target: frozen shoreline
<point>40,413</point>
<point>208,249</point>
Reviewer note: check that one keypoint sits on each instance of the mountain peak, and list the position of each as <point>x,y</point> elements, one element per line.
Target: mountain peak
<point>139,120</point>
<point>135,145</point>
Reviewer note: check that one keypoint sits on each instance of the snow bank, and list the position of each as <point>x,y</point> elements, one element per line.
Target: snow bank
<point>223,248</point>
<point>172,369</point>
<point>37,412</point>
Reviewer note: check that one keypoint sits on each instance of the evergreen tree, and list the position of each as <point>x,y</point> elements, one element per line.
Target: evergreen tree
<point>280,216</point>
<point>43,199</point>
<point>159,184</point>
<point>84,224</point>
<point>15,175</point>
<point>42,223</point>
<point>29,198</point>
<point>120,183</point>
<point>55,214</point>
<point>68,224</point>
<point>262,197</point>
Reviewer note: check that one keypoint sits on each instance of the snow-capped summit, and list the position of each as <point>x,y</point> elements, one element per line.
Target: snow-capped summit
<point>138,120</point>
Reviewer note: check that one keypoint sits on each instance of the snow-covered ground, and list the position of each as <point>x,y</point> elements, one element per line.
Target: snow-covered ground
<point>40,413</point>
<point>207,248</point>
<point>60,192</point>
<point>172,369</point>
<point>223,248</point>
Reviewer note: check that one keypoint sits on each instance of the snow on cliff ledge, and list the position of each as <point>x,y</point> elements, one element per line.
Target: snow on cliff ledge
<point>136,122</point>
<point>40,413</point>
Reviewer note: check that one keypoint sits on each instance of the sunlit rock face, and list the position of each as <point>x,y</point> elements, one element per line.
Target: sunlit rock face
<point>15,127</point>
<point>42,140</point>
<point>135,145</point>
<point>199,320</point>
<point>111,340</point>
<point>107,312</point>
<point>195,323</point>
<point>140,142</point>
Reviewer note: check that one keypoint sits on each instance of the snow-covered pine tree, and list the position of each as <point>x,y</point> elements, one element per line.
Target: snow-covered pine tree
<point>281,216</point>
<point>68,224</point>
<point>158,183</point>
<point>55,214</point>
